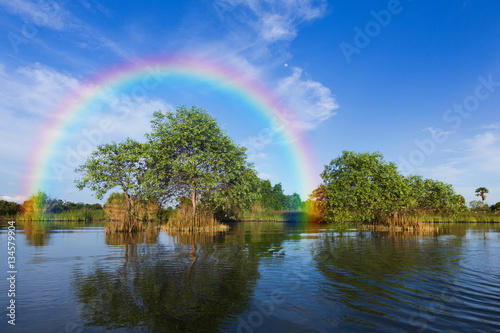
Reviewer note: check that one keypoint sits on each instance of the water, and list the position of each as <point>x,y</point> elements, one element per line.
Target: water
<point>258,277</point>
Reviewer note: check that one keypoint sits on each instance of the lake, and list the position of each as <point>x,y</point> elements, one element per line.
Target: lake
<point>257,277</point>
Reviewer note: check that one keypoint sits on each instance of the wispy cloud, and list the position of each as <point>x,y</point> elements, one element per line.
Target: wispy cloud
<point>34,89</point>
<point>270,20</point>
<point>48,14</point>
<point>278,20</point>
<point>484,152</point>
<point>491,126</point>
<point>310,101</point>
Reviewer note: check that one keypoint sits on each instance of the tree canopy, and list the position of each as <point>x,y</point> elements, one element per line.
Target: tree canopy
<point>123,165</point>
<point>364,187</point>
<point>481,192</point>
<point>193,155</point>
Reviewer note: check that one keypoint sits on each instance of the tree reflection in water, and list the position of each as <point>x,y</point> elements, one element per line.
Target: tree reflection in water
<point>378,273</point>
<point>200,283</point>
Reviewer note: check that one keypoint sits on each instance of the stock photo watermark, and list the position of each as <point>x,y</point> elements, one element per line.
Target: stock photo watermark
<point>40,18</point>
<point>372,29</point>
<point>453,116</point>
<point>11,272</point>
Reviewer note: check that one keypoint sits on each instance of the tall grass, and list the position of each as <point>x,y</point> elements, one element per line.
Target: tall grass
<point>259,214</point>
<point>69,215</point>
<point>183,220</point>
<point>462,217</point>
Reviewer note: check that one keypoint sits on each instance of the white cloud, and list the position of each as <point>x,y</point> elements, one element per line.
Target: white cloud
<point>484,152</point>
<point>491,126</point>
<point>18,198</point>
<point>437,131</point>
<point>48,14</point>
<point>276,27</point>
<point>311,102</point>
<point>257,156</point>
<point>33,89</point>
<point>272,20</point>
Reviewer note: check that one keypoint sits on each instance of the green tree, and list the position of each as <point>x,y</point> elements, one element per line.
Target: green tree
<point>432,196</point>
<point>35,207</point>
<point>235,196</point>
<point>477,206</point>
<point>271,197</point>
<point>8,208</point>
<point>495,208</point>
<point>191,154</point>
<point>362,186</point>
<point>481,192</point>
<point>121,165</point>
<point>293,202</point>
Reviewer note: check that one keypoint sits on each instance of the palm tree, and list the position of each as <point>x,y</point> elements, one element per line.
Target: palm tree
<point>480,192</point>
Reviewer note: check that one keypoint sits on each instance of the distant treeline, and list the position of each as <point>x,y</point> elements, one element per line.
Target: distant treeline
<point>40,207</point>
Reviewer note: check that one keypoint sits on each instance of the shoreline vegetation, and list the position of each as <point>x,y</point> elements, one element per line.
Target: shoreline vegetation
<point>189,165</point>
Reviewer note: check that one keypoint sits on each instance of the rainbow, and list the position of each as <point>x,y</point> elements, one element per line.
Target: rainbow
<point>144,72</point>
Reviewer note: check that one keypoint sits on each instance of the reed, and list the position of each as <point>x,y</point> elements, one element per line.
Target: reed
<point>124,226</point>
<point>183,220</point>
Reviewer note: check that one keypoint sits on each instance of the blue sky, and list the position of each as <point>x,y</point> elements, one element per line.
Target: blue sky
<point>418,81</point>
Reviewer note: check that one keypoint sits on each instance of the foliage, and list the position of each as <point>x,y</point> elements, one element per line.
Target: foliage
<point>235,197</point>
<point>121,165</point>
<point>428,195</point>
<point>495,208</point>
<point>293,202</point>
<point>8,208</point>
<point>316,203</point>
<point>481,192</point>
<point>192,156</point>
<point>40,207</point>
<point>478,206</point>
<point>35,207</point>
<point>271,197</point>
<point>364,187</point>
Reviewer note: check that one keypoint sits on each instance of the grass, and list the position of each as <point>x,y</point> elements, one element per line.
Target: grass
<point>70,215</point>
<point>125,226</point>
<point>259,214</point>
<point>182,220</point>
<point>463,217</point>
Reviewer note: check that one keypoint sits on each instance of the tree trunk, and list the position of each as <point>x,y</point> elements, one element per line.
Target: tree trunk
<point>194,199</point>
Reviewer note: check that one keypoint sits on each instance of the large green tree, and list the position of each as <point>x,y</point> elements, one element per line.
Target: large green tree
<point>362,186</point>
<point>192,155</point>
<point>123,165</point>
